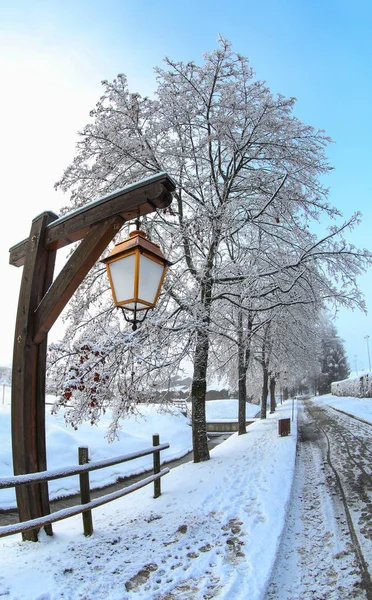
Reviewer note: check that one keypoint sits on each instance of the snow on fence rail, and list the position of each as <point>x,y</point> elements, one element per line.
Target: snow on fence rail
<point>83,470</point>
<point>182,405</point>
<point>360,387</point>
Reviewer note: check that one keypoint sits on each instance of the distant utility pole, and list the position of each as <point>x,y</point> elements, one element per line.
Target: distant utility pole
<point>366,337</point>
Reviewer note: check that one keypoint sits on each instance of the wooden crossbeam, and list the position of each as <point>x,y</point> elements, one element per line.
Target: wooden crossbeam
<point>129,202</point>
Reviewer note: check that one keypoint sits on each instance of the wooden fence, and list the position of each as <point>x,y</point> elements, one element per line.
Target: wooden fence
<point>86,506</point>
<point>182,405</point>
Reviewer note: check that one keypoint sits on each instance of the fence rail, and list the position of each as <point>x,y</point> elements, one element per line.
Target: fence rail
<point>182,405</point>
<point>87,504</point>
<point>41,476</point>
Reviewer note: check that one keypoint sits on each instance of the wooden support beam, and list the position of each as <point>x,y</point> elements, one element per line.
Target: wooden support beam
<point>28,377</point>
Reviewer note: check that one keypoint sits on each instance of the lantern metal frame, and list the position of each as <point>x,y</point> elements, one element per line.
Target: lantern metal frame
<point>138,245</point>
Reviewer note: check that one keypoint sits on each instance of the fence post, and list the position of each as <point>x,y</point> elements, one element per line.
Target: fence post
<point>85,491</point>
<point>156,457</point>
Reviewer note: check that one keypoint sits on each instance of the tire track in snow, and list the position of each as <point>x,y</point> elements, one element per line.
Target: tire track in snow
<point>316,559</point>
<point>363,565</point>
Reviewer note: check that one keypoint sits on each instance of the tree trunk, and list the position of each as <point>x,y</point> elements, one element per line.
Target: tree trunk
<point>198,392</point>
<point>265,391</point>
<point>242,416</point>
<point>272,395</point>
<point>242,376</point>
<point>199,382</point>
<point>285,393</point>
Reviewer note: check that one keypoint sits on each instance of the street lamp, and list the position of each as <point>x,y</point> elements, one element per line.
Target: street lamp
<point>366,337</point>
<point>136,269</point>
<point>42,299</point>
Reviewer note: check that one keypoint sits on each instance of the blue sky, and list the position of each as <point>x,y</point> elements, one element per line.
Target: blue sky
<point>54,53</point>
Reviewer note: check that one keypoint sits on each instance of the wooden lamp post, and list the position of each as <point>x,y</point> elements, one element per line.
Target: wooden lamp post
<point>42,300</point>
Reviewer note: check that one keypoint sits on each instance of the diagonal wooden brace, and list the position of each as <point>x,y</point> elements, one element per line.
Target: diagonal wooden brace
<point>72,274</point>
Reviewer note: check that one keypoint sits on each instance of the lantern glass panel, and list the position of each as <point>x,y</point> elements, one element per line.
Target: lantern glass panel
<point>136,305</point>
<point>150,274</point>
<point>122,276</point>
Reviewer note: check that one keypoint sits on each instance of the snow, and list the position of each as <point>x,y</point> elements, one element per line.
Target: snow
<point>359,407</point>
<point>136,434</point>
<point>211,527</point>
<point>315,560</point>
<point>63,442</point>
<point>118,192</point>
<point>219,410</point>
<point>360,386</point>
<point>214,531</point>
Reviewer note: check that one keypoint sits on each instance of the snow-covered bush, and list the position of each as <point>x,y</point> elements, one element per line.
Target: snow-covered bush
<point>360,387</point>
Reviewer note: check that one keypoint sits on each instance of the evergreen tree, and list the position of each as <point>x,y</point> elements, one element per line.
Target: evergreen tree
<point>334,362</point>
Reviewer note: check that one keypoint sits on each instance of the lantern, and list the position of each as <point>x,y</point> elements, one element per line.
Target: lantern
<point>136,269</point>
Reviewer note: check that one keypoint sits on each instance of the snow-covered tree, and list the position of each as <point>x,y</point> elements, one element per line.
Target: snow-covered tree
<point>241,161</point>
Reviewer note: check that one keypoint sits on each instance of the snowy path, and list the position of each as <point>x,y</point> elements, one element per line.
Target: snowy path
<point>213,533</point>
<point>326,548</point>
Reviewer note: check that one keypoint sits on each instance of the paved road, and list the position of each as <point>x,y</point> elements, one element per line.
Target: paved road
<point>326,549</point>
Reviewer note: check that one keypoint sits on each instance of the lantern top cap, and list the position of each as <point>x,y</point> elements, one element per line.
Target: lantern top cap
<point>137,241</point>
<point>136,232</point>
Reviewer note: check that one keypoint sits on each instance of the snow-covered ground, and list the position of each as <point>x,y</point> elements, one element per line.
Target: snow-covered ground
<point>359,407</point>
<point>326,547</point>
<point>227,410</point>
<point>136,434</point>
<point>214,532</point>
<point>63,442</point>
<point>214,529</point>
